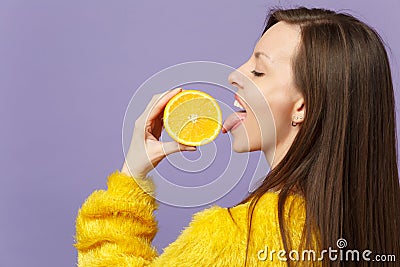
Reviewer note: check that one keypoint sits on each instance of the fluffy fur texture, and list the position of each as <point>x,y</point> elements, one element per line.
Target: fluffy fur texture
<point>115,227</point>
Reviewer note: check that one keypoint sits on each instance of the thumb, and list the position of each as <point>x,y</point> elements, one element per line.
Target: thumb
<point>173,146</point>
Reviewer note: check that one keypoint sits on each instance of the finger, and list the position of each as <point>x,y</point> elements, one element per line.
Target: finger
<point>158,103</point>
<point>173,146</point>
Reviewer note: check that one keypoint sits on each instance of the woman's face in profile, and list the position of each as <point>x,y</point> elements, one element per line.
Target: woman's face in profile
<point>265,85</point>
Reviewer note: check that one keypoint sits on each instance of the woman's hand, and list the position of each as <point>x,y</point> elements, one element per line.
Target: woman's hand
<point>145,150</point>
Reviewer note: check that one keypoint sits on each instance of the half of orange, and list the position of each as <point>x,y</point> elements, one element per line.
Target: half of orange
<point>192,118</point>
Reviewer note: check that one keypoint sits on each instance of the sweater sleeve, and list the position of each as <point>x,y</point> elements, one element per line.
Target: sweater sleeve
<point>115,227</point>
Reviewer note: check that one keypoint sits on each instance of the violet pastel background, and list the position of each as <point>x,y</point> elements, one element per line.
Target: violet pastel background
<point>67,72</point>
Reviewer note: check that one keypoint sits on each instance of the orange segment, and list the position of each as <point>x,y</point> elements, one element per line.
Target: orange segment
<point>192,118</point>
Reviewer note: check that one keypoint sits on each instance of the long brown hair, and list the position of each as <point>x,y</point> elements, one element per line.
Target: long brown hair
<point>343,159</point>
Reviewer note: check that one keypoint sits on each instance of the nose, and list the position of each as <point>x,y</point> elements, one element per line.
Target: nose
<point>236,79</point>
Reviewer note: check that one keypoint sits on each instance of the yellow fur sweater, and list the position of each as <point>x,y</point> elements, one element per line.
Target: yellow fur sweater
<point>115,227</point>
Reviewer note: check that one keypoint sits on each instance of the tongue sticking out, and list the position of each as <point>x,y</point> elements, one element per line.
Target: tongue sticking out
<point>233,120</point>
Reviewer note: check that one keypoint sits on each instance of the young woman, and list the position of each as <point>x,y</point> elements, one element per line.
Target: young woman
<point>334,175</point>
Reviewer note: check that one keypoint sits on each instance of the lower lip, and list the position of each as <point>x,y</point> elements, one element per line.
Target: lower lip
<point>237,125</point>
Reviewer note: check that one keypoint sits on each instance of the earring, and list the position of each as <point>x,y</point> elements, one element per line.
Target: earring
<point>294,124</point>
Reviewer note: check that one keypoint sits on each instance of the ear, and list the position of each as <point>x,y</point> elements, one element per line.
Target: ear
<point>299,111</point>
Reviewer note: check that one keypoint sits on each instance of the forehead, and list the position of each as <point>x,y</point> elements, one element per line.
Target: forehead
<point>280,41</point>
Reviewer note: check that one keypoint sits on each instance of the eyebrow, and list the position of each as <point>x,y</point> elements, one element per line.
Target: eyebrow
<point>258,54</point>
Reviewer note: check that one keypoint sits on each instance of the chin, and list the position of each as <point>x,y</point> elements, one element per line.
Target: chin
<point>239,148</point>
<point>240,144</point>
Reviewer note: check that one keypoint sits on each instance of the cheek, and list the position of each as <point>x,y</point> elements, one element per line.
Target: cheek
<point>259,124</point>
<point>281,108</point>
<point>273,111</point>
<point>270,103</point>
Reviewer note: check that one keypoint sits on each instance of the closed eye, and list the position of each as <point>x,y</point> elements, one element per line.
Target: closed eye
<point>257,74</point>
